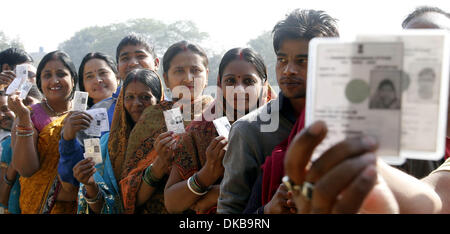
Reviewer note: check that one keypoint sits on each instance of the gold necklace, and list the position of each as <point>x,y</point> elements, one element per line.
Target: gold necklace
<point>54,112</point>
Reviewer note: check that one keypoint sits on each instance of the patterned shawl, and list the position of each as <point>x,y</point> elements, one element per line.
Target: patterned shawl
<point>140,154</point>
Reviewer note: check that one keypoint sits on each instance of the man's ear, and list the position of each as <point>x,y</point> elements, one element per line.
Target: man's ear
<point>156,61</point>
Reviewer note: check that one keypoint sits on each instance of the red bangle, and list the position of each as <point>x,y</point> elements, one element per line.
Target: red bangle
<point>23,128</point>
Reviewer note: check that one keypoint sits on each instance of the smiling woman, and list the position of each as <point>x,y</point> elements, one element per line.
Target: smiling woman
<point>98,73</point>
<point>35,137</point>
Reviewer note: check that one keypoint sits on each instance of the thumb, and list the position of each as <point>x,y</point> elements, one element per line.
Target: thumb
<point>300,150</point>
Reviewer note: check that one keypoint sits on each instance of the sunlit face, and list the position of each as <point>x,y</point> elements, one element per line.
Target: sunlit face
<point>135,56</point>
<point>291,67</point>
<point>6,115</point>
<point>56,81</point>
<point>99,80</point>
<point>241,83</point>
<point>137,97</point>
<point>186,69</point>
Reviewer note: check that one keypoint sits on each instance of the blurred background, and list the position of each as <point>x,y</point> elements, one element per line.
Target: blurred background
<point>83,26</point>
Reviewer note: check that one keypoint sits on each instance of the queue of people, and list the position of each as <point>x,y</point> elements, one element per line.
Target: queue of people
<point>147,169</point>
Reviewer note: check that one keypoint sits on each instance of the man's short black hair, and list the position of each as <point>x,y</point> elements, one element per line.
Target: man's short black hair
<point>419,11</point>
<point>304,24</point>
<point>135,39</point>
<point>14,56</point>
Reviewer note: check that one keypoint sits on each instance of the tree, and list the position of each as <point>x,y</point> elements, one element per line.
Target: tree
<point>106,38</point>
<point>6,42</point>
<point>264,46</point>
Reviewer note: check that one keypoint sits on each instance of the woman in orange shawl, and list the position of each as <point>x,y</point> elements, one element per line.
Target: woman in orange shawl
<point>194,181</point>
<point>35,139</point>
<point>148,156</point>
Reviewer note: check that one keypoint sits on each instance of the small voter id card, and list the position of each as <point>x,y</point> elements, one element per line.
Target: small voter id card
<point>92,149</point>
<point>80,101</point>
<point>174,120</point>
<point>223,126</point>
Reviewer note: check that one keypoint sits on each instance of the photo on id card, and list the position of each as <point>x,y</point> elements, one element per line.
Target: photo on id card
<point>355,88</point>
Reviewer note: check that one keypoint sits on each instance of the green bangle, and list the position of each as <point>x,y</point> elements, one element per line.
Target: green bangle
<point>149,178</point>
<point>195,186</point>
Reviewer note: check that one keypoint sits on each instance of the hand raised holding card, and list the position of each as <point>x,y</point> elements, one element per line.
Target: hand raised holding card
<point>164,146</point>
<point>84,171</point>
<point>92,149</point>
<point>16,105</point>
<point>214,157</point>
<point>76,121</point>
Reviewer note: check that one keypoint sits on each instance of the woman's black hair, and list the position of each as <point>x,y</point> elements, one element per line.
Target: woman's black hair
<point>247,54</point>
<point>13,56</point>
<point>67,62</point>
<point>147,77</point>
<point>179,47</point>
<point>95,55</point>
